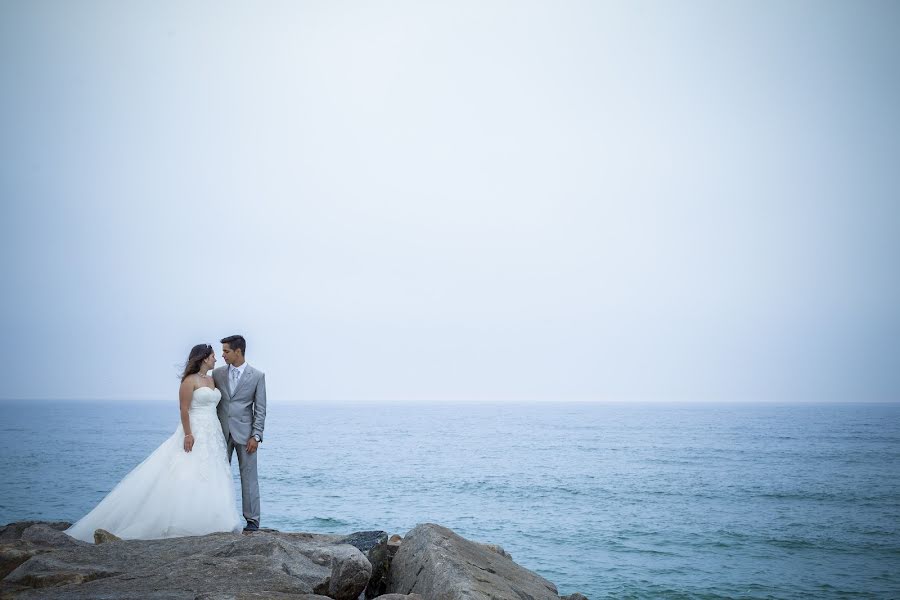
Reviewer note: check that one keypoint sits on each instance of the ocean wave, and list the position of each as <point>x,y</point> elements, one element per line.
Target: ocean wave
<point>324,522</point>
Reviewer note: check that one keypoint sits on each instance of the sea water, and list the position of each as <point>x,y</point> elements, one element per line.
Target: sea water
<point>611,500</point>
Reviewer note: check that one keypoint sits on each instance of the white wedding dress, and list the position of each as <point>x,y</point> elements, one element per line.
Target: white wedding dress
<point>173,493</point>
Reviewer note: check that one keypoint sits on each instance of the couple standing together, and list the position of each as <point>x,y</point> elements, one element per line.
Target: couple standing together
<point>184,487</point>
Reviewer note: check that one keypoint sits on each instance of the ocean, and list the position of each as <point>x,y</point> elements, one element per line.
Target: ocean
<point>611,500</point>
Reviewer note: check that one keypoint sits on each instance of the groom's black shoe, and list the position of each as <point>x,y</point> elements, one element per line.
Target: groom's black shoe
<point>251,527</point>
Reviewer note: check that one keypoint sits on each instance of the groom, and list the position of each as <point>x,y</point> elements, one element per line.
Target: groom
<point>242,413</point>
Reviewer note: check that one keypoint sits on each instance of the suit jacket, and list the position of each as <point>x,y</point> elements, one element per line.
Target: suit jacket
<point>242,414</point>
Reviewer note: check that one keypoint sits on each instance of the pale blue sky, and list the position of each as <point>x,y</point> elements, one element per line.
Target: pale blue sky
<point>454,201</point>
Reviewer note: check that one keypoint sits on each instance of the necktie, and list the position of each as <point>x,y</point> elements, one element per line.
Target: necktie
<point>234,379</point>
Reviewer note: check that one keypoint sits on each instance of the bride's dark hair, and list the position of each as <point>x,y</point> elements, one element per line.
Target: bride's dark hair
<point>198,354</point>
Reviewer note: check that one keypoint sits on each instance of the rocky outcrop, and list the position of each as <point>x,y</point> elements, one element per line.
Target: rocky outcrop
<point>220,566</point>
<point>440,565</point>
<point>39,561</point>
<point>261,596</point>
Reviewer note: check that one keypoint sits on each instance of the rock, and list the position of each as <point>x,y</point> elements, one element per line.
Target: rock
<point>14,554</point>
<point>261,596</point>
<point>220,565</point>
<point>23,540</point>
<point>392,546</point>
<point>400,597</point>
<point>15,531</point>
<point>374,545</point>
<point>396,538</point>
<point>364,541</point>
<point>47,535</point>
<point>575,596</point>
<point>102,536</point>
<point>440,565</point>
<point>498,549</point>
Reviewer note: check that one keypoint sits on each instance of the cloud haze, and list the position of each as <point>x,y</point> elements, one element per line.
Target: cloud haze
<point>455,201</point>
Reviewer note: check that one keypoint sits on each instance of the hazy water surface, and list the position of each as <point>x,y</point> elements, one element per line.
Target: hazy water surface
<point>612,500</point>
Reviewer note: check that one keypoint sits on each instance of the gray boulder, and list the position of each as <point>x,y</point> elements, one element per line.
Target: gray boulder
<point>440,565</point>
<point>374,545</point>
<point>221,565</point>
<point>18,530</point>
<point>20,541</point>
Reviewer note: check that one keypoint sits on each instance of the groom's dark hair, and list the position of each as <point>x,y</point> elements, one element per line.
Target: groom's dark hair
<point>236,342</point>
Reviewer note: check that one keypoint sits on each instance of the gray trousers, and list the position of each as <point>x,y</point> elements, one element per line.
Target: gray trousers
<point>249,483</point>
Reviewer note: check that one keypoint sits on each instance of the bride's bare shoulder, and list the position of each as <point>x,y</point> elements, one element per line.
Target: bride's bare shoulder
<point>187,386</point>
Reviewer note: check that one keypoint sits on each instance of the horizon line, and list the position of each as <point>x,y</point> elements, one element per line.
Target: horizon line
<point>156,400</point>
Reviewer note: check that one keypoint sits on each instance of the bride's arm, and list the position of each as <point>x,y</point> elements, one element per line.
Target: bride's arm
<point>184,400</point>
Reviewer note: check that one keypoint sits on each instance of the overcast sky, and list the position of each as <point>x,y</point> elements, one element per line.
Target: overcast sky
<point>466,200</point>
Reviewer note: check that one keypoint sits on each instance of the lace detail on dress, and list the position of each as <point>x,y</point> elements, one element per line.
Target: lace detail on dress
<point>209,443</point>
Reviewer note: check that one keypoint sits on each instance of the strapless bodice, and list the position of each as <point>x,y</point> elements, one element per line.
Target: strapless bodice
<point>205,398</point>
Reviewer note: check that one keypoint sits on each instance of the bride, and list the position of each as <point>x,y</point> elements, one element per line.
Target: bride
<point>184,487</point>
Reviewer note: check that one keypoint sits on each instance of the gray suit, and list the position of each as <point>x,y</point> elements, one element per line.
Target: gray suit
<point>243,414</point>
